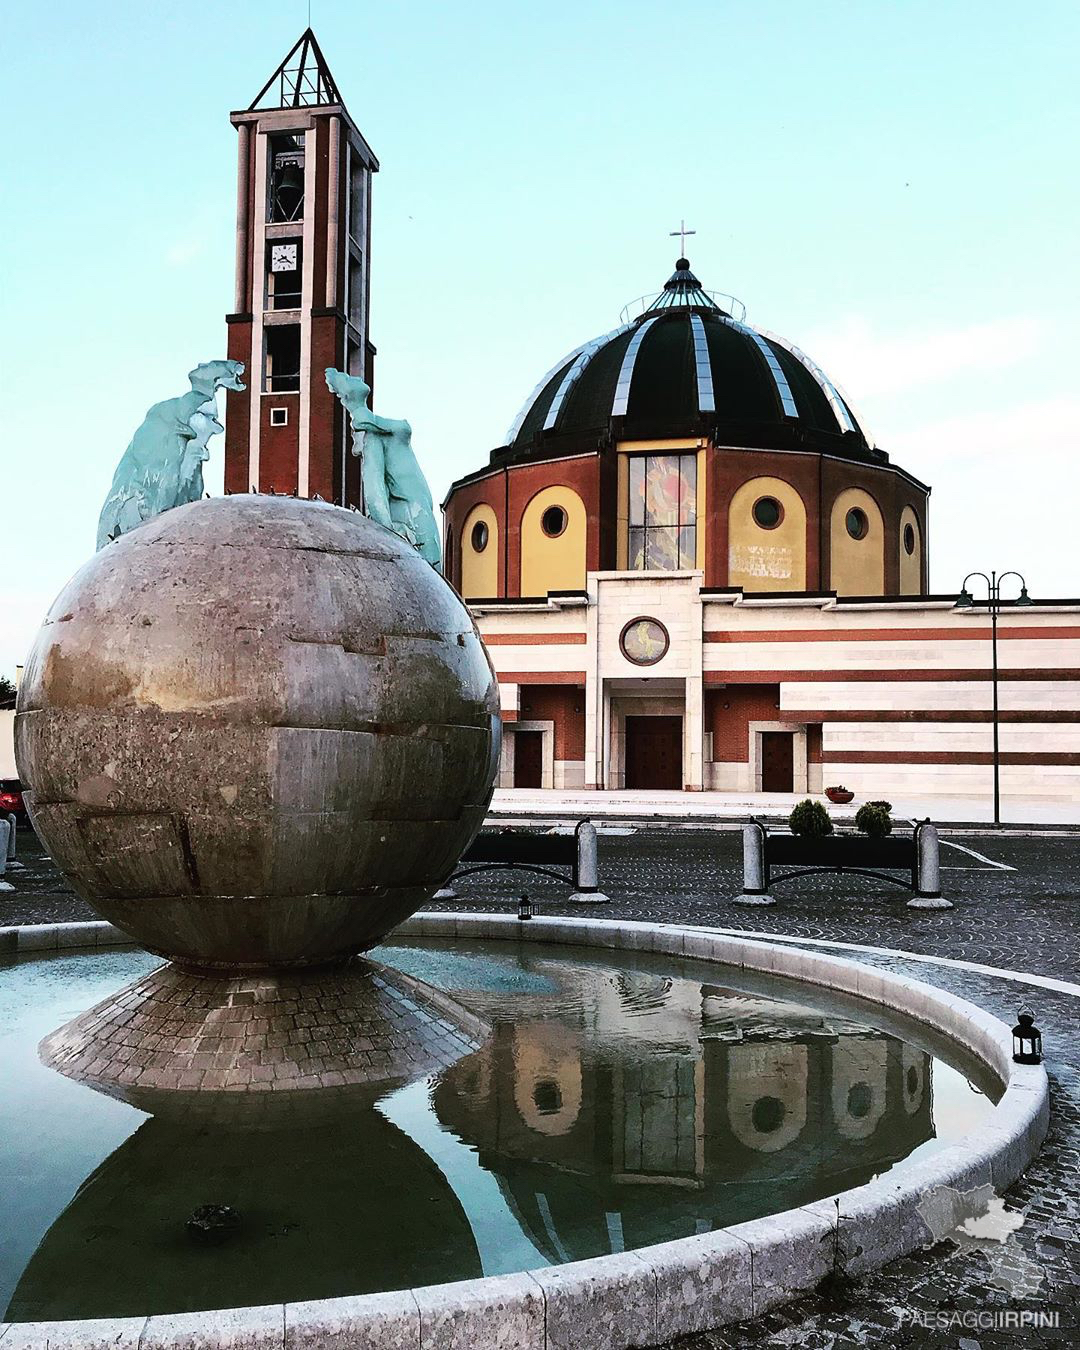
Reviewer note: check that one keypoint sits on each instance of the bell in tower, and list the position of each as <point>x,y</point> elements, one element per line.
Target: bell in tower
<point>303,243</point>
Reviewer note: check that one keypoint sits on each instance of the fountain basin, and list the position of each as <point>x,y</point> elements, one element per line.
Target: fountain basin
<point>647,1295</point>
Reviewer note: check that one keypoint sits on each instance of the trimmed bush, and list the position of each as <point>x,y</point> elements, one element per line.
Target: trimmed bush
<point>885,806</point>
<point>810,819</point>
<point>873,819</point>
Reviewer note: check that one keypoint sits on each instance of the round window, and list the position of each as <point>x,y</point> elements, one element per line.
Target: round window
<point>858,525</point>
<point>768,1114</point>
<point>479,536</point>
<point>644,641</point>
<point>860,1098</point>
<point>909,539</point>
<point>553,521</point>
<point>547,1097</point>
<point>768,513</point>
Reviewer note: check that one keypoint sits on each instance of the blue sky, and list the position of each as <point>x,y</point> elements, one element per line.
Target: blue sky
<point>891,185</point>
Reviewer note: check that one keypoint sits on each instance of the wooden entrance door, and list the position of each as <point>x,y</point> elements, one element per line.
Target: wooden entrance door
<point>528,759</point>
<point>777,761</point>
<point>654,753</point>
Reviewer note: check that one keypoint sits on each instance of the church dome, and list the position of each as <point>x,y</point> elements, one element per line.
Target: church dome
<point>685,363</point>
<point>687,439</point>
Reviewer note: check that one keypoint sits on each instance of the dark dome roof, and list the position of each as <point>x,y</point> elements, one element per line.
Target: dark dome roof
<point>687,366</point>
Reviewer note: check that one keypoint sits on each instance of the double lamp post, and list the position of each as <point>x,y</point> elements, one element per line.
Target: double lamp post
<point>965,600</point>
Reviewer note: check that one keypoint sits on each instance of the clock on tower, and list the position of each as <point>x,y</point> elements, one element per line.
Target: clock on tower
<point>303,240</point>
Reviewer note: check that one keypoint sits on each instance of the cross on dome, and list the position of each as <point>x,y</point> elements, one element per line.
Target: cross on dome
<point>682,232</point>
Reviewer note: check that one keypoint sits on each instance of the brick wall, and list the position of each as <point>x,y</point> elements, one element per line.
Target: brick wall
<point>509,494</point>
<point>563,705</point>
<point>817,479</point>
<point>324,445</point>
<point>238,410</point>
<point>729,712</point>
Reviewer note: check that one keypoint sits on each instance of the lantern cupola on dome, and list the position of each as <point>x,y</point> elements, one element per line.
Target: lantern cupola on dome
<point>682,290</point>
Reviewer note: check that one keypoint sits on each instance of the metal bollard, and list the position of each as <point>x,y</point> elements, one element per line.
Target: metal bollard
<point>11,841</point>
<point>587,870</point>
<point>7,829</point>
<point>929,862</point>
<point>753,846</point>
<point>928,870</point>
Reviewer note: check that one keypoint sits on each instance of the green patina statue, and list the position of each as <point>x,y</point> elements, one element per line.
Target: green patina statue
<point>396,493</point>
<point>162,467</point>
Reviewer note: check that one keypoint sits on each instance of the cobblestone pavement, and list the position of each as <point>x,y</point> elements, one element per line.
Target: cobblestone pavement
<point>1023,920</point>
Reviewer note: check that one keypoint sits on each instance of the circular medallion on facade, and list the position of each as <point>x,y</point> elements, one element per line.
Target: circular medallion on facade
<point>644,641</point>
<point>479,536</point>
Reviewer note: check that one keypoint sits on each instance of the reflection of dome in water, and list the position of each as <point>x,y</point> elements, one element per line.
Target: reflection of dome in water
<point>547,1076</point>
<point>257,731</point>
<point>727,1012</point>
<point>659,1143</point>
<point>339,1207</point>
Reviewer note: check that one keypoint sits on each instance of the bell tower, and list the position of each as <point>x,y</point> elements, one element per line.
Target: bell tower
<point>303,248</point>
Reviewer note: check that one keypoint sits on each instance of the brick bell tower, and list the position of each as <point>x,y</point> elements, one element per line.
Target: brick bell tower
<point>303,248</point>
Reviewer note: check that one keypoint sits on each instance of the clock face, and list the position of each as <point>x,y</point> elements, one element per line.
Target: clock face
<point>283,258</point>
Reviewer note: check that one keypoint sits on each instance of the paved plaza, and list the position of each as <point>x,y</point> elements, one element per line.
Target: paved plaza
<point>1012,938</point>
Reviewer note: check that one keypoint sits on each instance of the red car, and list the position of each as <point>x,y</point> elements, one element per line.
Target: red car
<point>11,800</point>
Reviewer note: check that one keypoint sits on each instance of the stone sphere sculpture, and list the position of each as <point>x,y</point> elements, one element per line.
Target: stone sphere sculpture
<point>257,732</point>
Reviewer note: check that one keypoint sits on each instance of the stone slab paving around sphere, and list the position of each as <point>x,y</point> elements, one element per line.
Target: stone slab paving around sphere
<point>1024,920</point>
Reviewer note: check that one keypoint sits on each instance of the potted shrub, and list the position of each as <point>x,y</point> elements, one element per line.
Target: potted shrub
<point>839,795</point>
<point>873,819</point>
<point>810,820</point>
<point>814,843</point>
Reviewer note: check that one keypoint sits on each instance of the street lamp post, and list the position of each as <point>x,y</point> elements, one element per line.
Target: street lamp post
<point>965,600</point>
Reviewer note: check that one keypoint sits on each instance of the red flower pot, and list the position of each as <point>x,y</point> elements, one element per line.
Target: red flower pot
<point>839,795</point>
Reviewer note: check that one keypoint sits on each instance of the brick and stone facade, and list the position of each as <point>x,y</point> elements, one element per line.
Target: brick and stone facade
<point>693,567</point>
<point>887,696</point>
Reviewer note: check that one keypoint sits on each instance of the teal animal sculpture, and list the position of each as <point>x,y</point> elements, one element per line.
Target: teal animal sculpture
<point>162,467</point>
<point>396,493</point>
<point>204,424</point>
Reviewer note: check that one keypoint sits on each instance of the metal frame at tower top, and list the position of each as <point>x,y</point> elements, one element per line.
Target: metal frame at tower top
<point>303,78</point>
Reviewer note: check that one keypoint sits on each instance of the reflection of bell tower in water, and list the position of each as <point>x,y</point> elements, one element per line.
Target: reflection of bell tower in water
<point>303,237</point>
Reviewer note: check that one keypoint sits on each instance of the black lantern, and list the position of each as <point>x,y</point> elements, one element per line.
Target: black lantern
<point>525,908</point>
<point>1027,1040</point>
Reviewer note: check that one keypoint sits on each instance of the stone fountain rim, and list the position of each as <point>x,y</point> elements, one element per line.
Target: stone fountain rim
<point>647,1295</point>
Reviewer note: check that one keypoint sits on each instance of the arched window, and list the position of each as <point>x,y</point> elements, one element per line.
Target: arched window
<point>480,554</point>
<point>911,553</point>
<point>553,542</point>
<point>767,537</point>
<point>856,545</point>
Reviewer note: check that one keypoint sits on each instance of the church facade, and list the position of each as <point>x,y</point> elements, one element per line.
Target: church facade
<point>695,570</point>
<point>691,564</point>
